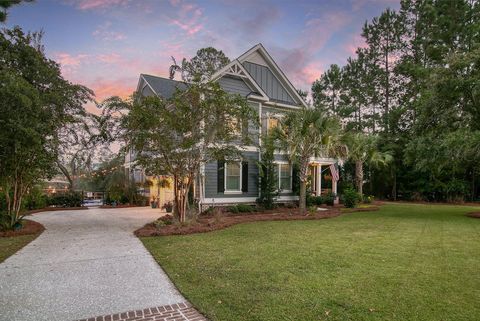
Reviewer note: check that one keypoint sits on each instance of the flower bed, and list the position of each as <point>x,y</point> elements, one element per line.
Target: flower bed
<point>28,228</point>
<point>474,214</point>
<point>211,222</point>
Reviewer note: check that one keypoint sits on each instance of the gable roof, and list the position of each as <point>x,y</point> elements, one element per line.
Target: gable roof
<point>162,87</point>
<point>265,78</point>
<point>251,67</point>
<point>259,53</point>
<point>237,70</point>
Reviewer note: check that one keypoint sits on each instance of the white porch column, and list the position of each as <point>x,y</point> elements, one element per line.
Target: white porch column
<point>334,190</point>
<point>319,179</point>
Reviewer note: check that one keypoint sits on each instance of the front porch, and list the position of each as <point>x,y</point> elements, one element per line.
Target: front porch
<point>320,179</point>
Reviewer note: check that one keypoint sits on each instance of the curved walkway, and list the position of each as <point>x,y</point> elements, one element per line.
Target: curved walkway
<point>86,264</point>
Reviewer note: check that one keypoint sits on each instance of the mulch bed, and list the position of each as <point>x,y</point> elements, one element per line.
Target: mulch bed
<point>29,227</point>
<point>474,214</point>
<point>372,208</point>
<point>208,223</point>
<point>434,203</point>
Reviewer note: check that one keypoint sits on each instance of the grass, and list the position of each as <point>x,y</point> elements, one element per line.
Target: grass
<point>10,245</point>
<point>404,262</point>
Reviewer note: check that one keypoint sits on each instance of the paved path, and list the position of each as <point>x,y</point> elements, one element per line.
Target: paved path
<point>87,263</point>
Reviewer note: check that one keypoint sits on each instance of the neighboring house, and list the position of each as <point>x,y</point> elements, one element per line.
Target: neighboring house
<point>255,76</point>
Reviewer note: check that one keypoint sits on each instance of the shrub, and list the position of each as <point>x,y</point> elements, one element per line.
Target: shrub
<point>168,206</point>
<point>159,223</point>
<point>290,205</point>
<point>69,199</point>
<point>35,199</point>
<point>312,210</point>
<point>4,221</point>
<point>329,198</point>
<point>368,199</point>
<point>318,200</point>
<point>233,209</point>
<point>245,208</point>
<point>310,200</point>
<point>217,214</point>
<point>268,184</point>
<point>350,198</point>
<point>166,218</point>
<point>124,199</point>
<point>241,208</point>
<point>208,211</point>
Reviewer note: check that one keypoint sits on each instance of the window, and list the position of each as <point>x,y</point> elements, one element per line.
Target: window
<point>272,123</point>
<point>234,126</point>
<point>285,177</point>
<point>233,177</point>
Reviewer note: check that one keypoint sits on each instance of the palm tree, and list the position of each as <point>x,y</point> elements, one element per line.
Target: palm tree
<point>362,149</point>
<point>306,133</point>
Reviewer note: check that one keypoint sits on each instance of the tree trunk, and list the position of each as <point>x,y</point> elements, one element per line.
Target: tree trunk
<point>359,177</point>
<point>67,175</point>
<point>303,197</point>
<point>176,209</point>
<point>394,187</point>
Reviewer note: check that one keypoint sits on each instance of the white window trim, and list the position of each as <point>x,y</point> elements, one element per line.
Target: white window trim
<point>278,163</point>
<point>232,191</point>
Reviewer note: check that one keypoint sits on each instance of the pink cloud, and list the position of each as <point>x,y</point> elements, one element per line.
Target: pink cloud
<point>255,18</point>
<point>66,59</point>
<point>104,33</point>
<point>99,4</point>
<point>311,72</point>
<point>69,63</point>
<point>299,62</point>
<point>112,58</point>
<point>188,17</point>
<point>355,42</point>
<point>358,4</point>
<point>106,87</point>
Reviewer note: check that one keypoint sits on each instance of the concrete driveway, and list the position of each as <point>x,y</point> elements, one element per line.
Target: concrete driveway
<point>87,263</point>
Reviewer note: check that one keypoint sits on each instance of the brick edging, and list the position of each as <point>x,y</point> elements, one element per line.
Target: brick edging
<point>173,312</point>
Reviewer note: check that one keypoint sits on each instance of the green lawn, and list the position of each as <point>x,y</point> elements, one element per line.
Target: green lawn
<point>10,245</point>
<point>404,262</point>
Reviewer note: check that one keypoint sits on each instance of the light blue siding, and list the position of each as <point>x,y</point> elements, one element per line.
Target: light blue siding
<point>269,83</point>
<point>234,86</point>
<point>211,172</point>
<point>146,92</point>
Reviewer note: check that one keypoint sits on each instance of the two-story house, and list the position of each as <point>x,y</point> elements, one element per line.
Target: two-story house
<point>255,76</point>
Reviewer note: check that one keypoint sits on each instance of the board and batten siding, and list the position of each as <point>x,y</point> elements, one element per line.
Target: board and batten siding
<point>234,86</point>
<point>269,83</point>
<point>147,92</point>
<point>211,174</point>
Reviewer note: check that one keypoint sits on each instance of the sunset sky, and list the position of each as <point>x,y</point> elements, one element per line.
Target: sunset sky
<point>106,44</point>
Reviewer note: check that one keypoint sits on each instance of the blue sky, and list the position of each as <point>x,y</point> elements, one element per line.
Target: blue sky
<point>106,44</point>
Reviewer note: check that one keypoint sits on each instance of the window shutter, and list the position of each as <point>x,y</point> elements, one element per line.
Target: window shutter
<point>295,180</point>
<point>244,176</point>
<point>221,176</point>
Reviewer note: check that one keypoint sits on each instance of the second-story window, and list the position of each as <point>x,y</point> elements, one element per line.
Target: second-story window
<point>272,123</point>
<point>234,126</point>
